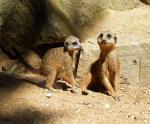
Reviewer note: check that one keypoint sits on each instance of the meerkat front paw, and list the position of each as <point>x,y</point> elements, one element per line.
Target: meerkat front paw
<point>115,96</point>
<point>85,92</point>
<point>73,90</point>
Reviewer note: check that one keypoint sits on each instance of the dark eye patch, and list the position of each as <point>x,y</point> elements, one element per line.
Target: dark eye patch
<point>109,36</point>
<point>66,44</point>
<point>75,43</point>
<point>101,35</point>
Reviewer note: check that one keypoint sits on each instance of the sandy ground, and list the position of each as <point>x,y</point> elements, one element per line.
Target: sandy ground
<point>25,103</point>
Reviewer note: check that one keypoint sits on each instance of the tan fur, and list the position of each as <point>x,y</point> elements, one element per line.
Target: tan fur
<point>57,63</point>
<point>105,71</point>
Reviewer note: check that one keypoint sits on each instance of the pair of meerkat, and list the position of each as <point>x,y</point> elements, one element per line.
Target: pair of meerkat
<point>57,63</point>
<point>106,70</point>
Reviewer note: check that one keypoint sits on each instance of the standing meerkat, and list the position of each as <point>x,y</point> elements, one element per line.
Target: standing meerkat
<point>106,70</point>
<point>57,63</point>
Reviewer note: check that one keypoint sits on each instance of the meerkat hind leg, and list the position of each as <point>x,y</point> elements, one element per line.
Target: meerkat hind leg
<point>73,82</point>
<point>73,88</point>
<point>50,80</point>
<point>109,88</point>
<point>84,84</point>
<point>115,83</point>
<point>68,80</point>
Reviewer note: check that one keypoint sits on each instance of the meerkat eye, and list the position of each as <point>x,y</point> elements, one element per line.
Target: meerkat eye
<point>101,35</point>
<point>109,36</point>
<point>74,43</point>
<point>66,43</point>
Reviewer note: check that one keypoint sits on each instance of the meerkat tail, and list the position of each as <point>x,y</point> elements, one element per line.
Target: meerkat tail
<point>86,81</point>
<point>30,77</point>
<point>25,64</point>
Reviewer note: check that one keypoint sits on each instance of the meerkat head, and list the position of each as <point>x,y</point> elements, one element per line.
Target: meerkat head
<point>71,44</point>
<point>106,39</point>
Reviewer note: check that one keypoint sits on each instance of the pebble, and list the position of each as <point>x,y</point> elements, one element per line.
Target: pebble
<point>134,61</point>
<point>122,88</point>
<point>107,106</point>
<point>132,117</point>
<point>48,93</point>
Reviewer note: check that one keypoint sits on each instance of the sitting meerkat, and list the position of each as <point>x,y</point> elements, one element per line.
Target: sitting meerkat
<point>106,70</point>
<point>57,63</point>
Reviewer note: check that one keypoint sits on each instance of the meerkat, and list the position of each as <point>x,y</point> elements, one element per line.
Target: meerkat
<point>106,70</point>
<point>57,63</point>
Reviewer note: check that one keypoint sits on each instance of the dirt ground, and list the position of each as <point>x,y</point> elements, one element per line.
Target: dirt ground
<point>25,103</point>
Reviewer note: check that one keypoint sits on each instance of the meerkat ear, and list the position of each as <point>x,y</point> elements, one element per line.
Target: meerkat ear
<point>65,46</point>
<point>115,38</point>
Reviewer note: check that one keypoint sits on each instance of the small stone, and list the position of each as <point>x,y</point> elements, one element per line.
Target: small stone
<point>134,61</point>
<point>48,93</point>
<point>136,102</point>
<point>78,110</point>
<point>86,103</point>
<point>107,106</point>
<point>132,117</point>
<point>46,104</point>
<point>122,88</point>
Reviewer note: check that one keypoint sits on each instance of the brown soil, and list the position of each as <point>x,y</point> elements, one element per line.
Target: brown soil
<point>25,103</point>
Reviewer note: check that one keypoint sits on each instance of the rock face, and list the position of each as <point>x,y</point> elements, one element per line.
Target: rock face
<point>24,24</point>
<point>30,22</point>
<point>133,31</point>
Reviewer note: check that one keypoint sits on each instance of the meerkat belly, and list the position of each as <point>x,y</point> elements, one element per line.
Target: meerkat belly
<point>64,74</point>
<point>112,67</point>
<point>66,69</point>
<point>103,70</point>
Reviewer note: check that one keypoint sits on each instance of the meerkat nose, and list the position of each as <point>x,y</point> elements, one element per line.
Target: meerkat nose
<point>78,47</point>
<point>103,41</point>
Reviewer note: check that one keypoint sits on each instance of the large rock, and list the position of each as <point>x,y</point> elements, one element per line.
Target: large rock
<point>133,31</point>
<point>28,23</point>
